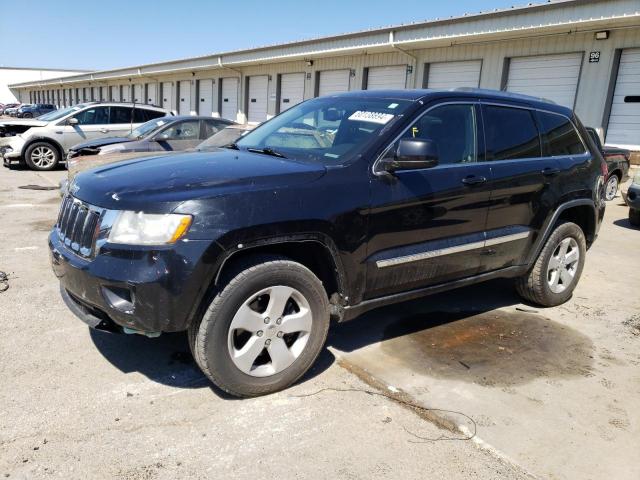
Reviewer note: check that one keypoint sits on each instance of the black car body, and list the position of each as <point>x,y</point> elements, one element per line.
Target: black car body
<point>34,110</point>
<point>167,134</point>
<point>377,223</point>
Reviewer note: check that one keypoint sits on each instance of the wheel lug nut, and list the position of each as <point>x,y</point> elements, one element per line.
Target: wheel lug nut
<point>267,320</point>
<point>279,334</point>
<point>259,333</point>
<point>279,321</point>
<point>267,342</point>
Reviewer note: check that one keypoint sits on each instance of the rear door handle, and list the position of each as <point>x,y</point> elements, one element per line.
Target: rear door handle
<point>548,172</point>
<point>473,180</point>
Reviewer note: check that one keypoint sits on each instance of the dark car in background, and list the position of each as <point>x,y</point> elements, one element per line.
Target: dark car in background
<point>167,134</point>
<point>80,163</point>
<point>617,160</point>
<point>34,110</point>
<point>338,205</point>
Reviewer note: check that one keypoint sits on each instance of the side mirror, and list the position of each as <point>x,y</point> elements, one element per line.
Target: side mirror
<point>162,137</point>
<point>412,154</point>
<point>72,121</point>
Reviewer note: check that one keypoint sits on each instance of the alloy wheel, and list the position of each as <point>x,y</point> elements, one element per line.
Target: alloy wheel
<point>270,331</point>
<point>611,188</point>
<point>43,157</point>
<point>563,265</point>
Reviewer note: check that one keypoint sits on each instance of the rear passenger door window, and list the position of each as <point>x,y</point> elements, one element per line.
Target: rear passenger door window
<point>120,115</point>
<point>559,135</point>
<point>510,133</point>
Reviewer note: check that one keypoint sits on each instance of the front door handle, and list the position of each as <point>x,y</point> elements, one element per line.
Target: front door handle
<point>549,171</point>
<point>473,180</point>
<point>104,130</point>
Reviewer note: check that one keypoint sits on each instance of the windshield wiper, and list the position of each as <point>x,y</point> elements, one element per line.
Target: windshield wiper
<point>266,151</point>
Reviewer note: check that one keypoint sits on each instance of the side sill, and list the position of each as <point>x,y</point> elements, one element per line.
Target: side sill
<point>350,312</point>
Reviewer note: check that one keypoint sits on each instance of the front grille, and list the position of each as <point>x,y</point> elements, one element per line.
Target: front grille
<point>78,225</point>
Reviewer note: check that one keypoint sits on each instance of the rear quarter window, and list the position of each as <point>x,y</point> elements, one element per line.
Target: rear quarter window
<point>559,135</point>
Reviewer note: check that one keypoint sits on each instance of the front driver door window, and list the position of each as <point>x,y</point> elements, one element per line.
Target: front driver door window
<point>427,225</point>
<point>180,135</point>
<point>92,123</point>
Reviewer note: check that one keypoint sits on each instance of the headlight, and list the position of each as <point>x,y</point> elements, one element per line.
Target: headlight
<point>138,228</point>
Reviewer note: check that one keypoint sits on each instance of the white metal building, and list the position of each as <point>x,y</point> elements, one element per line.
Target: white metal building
<point>581,53</point>
<point>11,75</point>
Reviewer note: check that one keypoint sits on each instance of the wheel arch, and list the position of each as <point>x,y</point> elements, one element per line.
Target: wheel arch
<point>53,142</point>
<point>318,255</point>
<point>582,212</point>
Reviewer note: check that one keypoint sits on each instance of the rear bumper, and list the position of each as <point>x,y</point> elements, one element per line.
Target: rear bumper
<point>147,290</point>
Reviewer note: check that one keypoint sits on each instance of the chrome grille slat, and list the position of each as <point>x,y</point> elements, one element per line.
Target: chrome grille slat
<point>77,225</point>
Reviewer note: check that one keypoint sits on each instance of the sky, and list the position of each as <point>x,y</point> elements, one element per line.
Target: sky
<point>96,35</point>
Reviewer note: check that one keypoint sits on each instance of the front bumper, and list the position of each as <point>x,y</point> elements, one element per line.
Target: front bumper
<point>149,290</point>
<point>11,147</point>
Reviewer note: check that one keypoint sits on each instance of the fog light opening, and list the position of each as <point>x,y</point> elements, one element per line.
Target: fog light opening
<point>121,299</point>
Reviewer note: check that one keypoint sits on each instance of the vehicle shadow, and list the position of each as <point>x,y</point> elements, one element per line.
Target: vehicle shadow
<point>624,223</point>
<point>167,359</point>
<point>410,317</point>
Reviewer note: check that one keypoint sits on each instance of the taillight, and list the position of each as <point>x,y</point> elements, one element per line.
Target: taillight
<point>605,169</point>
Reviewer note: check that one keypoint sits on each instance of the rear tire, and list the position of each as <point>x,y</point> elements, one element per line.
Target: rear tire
<point>264,328</point>
<point>557,269</point>
<point>634,217</point>
<point>42,156</point>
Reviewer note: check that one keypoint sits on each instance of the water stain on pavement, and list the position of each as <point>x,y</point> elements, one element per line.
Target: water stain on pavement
<point>494,348</point>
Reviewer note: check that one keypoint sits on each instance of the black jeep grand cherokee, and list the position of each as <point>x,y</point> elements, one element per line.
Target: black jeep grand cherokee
<point>339,205</point>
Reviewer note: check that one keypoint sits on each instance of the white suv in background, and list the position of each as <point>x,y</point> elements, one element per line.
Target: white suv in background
<point>43,142</point>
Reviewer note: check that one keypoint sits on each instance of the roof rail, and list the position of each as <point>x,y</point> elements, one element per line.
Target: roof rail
<point>502,92</point>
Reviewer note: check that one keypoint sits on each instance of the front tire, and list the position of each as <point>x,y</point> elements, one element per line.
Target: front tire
<point>27,115</point>
<point>264,328</point>
<point>634,217</point>
<point>557,269</point>
<point>42,156</point>
<point>611,188</point>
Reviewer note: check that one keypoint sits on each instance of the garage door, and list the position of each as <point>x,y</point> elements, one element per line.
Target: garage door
<point>205,102</point>
<point>95,94</point>
<point>554,77</point>
<point>291,90</point>
<point>258,98</point>
<point>380,78</point>
<point>454,74</point>
<point>167,94</point>
<point>138,94</point>
<point>333,81</point>
<point>229,98</point>
<point>184,104</point>
<point>115,93</point>
<point>624,121</point>
<point>126,93</point>
<point>152,94</point>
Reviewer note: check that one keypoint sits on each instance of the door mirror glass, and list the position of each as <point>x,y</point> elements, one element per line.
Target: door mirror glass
<point>412,154</point>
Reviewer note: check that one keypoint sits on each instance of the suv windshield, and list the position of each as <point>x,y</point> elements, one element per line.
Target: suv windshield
<point>56,114</point>
<point>147,128</point>
<point>329,130</point>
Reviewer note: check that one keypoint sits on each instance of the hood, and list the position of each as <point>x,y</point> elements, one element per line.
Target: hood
<point>87,162</point>
<point>161,183</point>
<point>28,122</point>
<point>100,142</point>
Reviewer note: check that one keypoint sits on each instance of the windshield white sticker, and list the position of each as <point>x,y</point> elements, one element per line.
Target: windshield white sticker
<point>393,105</point>
<point>373,117</point>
